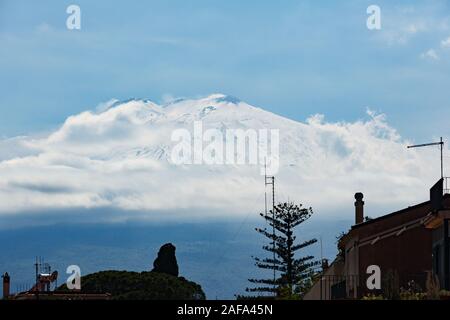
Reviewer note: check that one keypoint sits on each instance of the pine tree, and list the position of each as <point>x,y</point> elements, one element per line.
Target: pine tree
<point>293,274</point>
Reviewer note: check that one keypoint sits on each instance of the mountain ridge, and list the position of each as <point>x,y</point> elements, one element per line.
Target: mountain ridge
<point>119,156</point>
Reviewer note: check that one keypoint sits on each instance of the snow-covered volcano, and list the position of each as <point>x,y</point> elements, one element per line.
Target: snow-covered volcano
<point>119,156</point>
<point>142,129</point>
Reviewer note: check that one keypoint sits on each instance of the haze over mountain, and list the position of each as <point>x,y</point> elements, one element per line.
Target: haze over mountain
<point>118,156</point>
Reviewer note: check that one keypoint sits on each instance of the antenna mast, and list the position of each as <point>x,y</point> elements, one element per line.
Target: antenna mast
<point>441,144</point>
<point>270,180</point>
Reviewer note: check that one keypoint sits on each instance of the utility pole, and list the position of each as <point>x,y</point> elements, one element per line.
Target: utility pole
<point>37,266</point>
<point>321,264</point>
<point>441,144</point>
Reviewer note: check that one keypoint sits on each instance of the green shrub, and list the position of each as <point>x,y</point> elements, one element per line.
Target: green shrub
<point>125,285</point>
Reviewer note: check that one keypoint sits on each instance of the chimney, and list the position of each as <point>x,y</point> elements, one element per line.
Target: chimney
<point>6,285</point>
<point>324,264</point>
<point>359,208</point>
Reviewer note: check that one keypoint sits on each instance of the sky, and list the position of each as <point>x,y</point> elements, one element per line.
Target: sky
<point>294,58</point>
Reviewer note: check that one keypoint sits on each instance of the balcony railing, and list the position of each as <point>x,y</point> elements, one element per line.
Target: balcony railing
<point>447,185</point>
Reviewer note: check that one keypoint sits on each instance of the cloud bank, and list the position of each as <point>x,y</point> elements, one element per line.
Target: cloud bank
<point>118,157</point>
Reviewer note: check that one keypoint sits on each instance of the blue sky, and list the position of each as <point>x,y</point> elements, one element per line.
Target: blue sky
<point>295,58</point>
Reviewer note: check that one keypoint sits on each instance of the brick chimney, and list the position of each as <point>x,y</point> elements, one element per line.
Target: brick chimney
<point>6,285</point>
<point>359,208</point>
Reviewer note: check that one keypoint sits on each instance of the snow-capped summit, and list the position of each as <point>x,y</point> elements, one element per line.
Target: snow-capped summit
<point>119,155</point>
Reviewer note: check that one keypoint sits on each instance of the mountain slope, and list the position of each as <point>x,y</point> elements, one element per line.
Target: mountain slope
<point>120,157</point>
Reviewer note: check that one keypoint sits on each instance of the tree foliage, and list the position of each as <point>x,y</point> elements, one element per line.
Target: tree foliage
<point>293,275</point>
<point>127,285</point>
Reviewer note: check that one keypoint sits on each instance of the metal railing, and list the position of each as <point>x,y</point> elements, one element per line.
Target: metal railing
<point>334,287</point>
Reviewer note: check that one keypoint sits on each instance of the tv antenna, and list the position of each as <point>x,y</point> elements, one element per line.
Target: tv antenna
<point>270,180</point>
<point>441,144</point>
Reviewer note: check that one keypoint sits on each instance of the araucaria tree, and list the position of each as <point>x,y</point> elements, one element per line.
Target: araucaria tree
<point>293,275</point>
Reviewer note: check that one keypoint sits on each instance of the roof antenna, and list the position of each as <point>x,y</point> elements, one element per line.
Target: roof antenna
<point>441,144</point>
<point>270,180</point>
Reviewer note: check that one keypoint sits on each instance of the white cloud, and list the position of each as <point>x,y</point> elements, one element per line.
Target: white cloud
<point>400,30</point>
<point>118,159</point>
<point>406,24</point>
<point>44,28</point>
<point>431,54</point>
<point>445,43</point>
<point>103,106</point>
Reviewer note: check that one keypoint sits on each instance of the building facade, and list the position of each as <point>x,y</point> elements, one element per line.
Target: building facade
<point>408,246</point>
